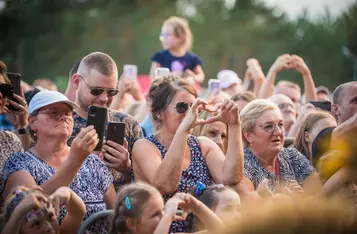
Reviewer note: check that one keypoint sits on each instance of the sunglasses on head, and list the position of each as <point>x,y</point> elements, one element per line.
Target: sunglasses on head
<point>7,90</point>
<point>95,91</point>
<point>182,107</point>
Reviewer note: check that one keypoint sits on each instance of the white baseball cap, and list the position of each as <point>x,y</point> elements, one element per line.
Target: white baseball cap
<point>227,78</point>
<point>45,98</point>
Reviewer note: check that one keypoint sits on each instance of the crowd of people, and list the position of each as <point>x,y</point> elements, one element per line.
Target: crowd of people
<point>251,157</point>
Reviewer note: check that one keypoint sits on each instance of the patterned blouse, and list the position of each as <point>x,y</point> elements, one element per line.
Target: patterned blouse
<point>292,166</point>
<point>90,183</point>
<point>9,144</point>
<point>132,133</point>
<point>197,171</point>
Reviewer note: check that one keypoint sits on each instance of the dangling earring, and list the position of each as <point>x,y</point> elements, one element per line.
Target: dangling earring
<point>251,143</point>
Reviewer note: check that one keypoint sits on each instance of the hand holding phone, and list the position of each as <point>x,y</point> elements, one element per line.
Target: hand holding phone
<point>116,132</point>
<point>15,80</point>
<point>97,116</point>
<point>214,86</point>
<point>130,71</point>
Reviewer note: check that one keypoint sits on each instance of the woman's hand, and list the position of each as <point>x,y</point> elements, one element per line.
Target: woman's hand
<point>191,119</point>
<point>84,143</point>
<point>299,65</point>
<point>18,118</point>
<point>117,155</point>
<point>282,62</point>
<point>228,113</point>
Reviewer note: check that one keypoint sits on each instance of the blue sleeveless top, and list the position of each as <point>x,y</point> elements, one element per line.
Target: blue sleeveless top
<point>197,171</point>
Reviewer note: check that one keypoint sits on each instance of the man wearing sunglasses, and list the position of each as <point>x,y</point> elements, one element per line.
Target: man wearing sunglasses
<point>96,84</point>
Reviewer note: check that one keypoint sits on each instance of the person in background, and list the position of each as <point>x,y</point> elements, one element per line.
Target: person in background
<point>255,74</point>
<point>290,89</point>
<point>242,99</point>
<point>71,90</point>
<point>230,82</point>
<point>30,211</point>
<point>46,84</point>
<point>286,107</point>
<point>96,84</point>
<point>176,39</point>
<point>323,93</point>
<point>311,125</point>
<point>264,155</point>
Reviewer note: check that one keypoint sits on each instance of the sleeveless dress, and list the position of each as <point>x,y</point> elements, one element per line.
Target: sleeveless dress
<point>197,171</point>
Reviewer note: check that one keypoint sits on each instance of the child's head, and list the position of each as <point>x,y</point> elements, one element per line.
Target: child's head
<point>220,199</point>
<point>37,220</point>
<point>139,209</point>
<point>176,32</point>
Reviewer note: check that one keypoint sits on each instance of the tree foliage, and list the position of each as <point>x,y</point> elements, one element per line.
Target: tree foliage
<point>42,38</point>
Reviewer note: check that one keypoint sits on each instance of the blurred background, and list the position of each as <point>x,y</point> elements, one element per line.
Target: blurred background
<point>44,38</point>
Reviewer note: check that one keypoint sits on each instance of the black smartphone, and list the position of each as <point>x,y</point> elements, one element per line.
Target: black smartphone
<point>15,80</point>
<point>116,132</point>
<point>323,105</point>
<point>97,116</point>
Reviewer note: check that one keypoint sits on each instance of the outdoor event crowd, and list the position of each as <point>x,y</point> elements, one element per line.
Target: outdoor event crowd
<point>252,156</point>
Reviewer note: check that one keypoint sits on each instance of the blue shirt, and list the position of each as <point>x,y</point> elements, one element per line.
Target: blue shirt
<point>177,64</point>
<point>5,124</point>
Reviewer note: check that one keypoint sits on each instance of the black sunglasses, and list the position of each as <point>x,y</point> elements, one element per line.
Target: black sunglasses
<point>95,91</point>
<point>7,90</point>
<point>182,107</point>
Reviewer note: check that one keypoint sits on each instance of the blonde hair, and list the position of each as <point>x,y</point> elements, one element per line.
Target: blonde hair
<point>307,123</point>
<point>251,112</point>
<point>288,83</point>
<point>245,96</point>
<point>181,28</point>
<point>201,130</point>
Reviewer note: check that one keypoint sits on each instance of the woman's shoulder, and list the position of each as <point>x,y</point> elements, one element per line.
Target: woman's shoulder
<point>8,137</point>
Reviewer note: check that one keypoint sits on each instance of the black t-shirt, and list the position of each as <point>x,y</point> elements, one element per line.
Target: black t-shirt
<point>166,59</point>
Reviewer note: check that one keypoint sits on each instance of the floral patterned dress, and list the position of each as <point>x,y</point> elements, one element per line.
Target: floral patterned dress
<point>90,183</point>
<point>197,171</point>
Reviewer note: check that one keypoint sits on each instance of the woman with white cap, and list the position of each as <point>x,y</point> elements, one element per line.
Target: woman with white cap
<point>50,163</point>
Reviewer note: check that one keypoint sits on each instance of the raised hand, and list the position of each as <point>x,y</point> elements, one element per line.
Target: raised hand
<point>19,117</point>
<point>172,206</point>
<point>299,64</point>
<point>228,113</point>
<point>117,155</point>
<point>84,143</point>
<point>282,62</point>
<point>191,119</point>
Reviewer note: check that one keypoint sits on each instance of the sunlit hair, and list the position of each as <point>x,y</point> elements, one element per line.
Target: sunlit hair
<point>181,28</point>
<point>161,93</point>
<point>251,112</point>
<point>201,130</point>
<point>3,70</point>
<point>288,84</point>
<point>245,96</point>
<point>98,61</point>
<point>308,122</point>
<point>130,203</point>
<point>316,216</point>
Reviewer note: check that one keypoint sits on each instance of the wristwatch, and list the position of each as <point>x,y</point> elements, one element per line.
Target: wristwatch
<point>22,131</point>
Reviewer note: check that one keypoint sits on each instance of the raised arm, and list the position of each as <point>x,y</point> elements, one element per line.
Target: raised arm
<point>156,171</point>
<point>283,61</point>
<point>226,169</point>
<point>309,85</point>
<point>257,74</point>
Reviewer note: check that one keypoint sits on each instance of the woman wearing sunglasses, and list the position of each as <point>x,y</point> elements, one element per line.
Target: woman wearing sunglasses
<point>11,142</point>
<point>172,160</point>
<point>264,155</point>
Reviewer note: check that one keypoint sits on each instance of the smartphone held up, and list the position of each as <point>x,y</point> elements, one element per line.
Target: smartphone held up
<point>214,86</point>
<point>130,71</point>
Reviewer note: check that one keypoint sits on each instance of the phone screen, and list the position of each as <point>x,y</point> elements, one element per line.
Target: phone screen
<point>97,116</point>
<point>323,105</point>
<point>161,71</point>
<point>130,71</point>
<point>214,86</point>
<point>15,80</point>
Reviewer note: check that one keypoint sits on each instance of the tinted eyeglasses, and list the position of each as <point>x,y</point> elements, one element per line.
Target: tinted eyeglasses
<point>182,107</point>
<point>56,114</point>
<point>96,91</point>
<point>283,106</point>
<point>7,90</point>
